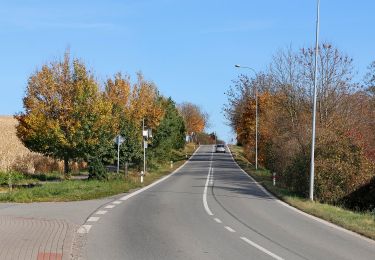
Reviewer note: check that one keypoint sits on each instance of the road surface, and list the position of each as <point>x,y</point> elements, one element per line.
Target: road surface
<point>210,209</point>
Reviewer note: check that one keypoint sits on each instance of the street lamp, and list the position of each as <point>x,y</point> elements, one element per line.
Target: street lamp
<point>256,115</point>
<point>314,103</point>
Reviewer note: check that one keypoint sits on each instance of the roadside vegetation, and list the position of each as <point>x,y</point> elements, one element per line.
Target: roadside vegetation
<point>33,188</point>
<point>68,127</point>
<point>360,222</point>
<point>345,116</point>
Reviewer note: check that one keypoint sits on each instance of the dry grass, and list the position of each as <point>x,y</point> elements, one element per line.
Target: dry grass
<point>15,156</point>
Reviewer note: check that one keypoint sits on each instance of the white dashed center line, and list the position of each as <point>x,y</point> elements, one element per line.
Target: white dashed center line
<point>218,220</point>
<point>117,202</point>
<point>110,206</point>
<point>230,229</point>
<point>101,212</point>
<point>261,248</point>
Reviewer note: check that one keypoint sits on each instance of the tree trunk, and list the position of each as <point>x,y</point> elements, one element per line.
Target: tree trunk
<point>66,166</point>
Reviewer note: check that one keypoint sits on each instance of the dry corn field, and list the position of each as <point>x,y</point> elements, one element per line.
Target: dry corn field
<point>15,156</point>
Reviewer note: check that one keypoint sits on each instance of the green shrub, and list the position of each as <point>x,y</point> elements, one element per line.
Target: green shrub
<point>97,170</point>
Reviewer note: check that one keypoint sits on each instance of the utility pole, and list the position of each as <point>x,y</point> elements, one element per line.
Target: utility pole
<point>256,127</point>
<point>256,114</point>
<point>312,169</point>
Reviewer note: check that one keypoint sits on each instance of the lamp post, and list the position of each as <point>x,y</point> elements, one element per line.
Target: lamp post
<point>311,194</point>
<point>256,115</point>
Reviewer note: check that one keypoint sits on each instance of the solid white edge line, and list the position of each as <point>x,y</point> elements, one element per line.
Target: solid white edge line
<point>230,229</point>
<point>205,204</point>
<point>128,196</point>
<point>322,221</point>
<point>261,248</point>
<point>84,229</point>
<point>218,220</point>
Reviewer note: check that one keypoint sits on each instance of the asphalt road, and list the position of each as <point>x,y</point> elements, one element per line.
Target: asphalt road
<point>210,209</point>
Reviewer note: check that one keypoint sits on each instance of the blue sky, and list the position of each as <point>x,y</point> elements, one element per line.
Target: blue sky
<point>188,48</point>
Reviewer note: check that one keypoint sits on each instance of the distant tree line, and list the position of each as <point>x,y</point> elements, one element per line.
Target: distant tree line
<point>69,115</point>
<point>345,136</point>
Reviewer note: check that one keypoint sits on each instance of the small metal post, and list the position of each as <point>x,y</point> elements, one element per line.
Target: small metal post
<point>142,176</point>
<point>274,178</point>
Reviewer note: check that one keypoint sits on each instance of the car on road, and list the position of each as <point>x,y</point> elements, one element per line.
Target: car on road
<point>220,148</point>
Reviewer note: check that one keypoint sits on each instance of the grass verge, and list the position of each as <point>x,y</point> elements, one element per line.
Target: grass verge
<point>360,222</point>
<point>73,190</point>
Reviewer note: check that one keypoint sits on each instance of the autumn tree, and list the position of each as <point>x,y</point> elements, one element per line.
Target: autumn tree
<point>345,117</point>
<point>195,119</point>
<point>131,103</point>
<point>65,114</point>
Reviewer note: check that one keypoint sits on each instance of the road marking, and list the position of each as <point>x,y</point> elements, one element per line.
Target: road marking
<point>261,248</point>
<point>84,229</point>
<point>101,212</point>
<point>218,220</point>
<point>319,220</point>
<point>110,206</point>
<point>126,197</point>
<point>93,219</point>
<point>230,229</point>
<point>117,202</point>
<point>212,176</point>
<point>205,195</point>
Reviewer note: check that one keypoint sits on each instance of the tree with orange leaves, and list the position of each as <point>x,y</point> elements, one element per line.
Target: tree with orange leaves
<point>195,119</point>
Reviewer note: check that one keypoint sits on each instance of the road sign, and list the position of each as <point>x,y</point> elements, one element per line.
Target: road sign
<point>119,140</point>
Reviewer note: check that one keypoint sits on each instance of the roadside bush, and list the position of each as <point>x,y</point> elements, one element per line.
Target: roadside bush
<point>296,175</point>
<point>340,168</point>
<point>97,170</point>
<point>363,199</point>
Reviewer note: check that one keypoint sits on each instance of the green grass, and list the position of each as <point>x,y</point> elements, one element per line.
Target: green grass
<point>360,222</point>
<point>72,190</point>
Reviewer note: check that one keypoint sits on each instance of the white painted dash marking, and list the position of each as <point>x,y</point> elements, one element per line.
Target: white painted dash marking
<point>212,176</point>
<point>218,220</point>
<point>110,206</point>
<point>101,212</point>
<point>84,229</point>
<point>117,202</point>
<point>93,219</point>
<point>230,229</point>
<point>261,248</point>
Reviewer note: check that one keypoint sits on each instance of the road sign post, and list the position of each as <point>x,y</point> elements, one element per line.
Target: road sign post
<point>118,140</point>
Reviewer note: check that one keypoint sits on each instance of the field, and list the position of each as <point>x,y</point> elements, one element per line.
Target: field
<point>15,156</point>
<point>11,148</point>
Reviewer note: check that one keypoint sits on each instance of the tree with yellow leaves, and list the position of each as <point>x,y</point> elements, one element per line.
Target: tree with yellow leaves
<point>66,116</point>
